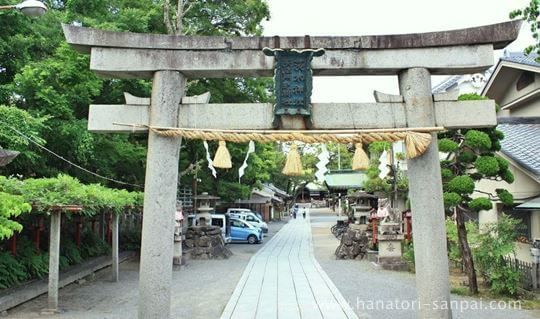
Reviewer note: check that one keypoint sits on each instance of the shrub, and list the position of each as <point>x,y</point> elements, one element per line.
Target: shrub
<point>477,140</point>
<point>70,250</point>
<point>12,272</point>
<point>36,264</point>
<point>461,185</point>
<point>503,164</point>
<point>92,245</point>
<point>505,197</point>
<point>408,252</point>
<point>471,97</point>
<point>487,165</point>
<point>507,176</point>
<point>496,242</point>
<point>480,203</point>
<point>446,173</point>
<point>446,145</point>
<point>451,199</point>
<point>454,254</point>
<point>467,157</point>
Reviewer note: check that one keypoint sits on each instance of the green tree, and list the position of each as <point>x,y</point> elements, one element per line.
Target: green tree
<point>494,244</point>
<point>375,183</point>
<point>340,156</point>
<point>470,158</point>
<point>13,123</point>
<point>530,15</point>
<point>41,74</point>
<point>11,206</point>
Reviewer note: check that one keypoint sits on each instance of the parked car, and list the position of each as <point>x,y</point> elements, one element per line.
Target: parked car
<point>242,231</point>
<point>258,215</point>
<point>238,210</point>
<point>222,221</point>
<point>249,216</point>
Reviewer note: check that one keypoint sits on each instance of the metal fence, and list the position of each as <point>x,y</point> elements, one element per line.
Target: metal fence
<point>530,273</point>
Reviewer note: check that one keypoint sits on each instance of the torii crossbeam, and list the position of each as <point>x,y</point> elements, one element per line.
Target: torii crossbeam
<point>170,60</point>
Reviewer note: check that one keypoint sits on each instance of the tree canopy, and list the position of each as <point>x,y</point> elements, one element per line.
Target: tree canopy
<point>46,88</point>
<point>471,158</point>
<point>530,15</point>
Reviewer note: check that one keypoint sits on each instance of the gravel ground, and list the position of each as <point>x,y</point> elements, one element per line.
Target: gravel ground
<point>201,289</point>
<point>373,293</point>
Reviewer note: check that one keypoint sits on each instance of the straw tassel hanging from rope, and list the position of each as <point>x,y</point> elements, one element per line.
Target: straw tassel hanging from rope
<point>416,143</point>
<point>360,159</point>
<point>223,157</point>
<point>293,165</point>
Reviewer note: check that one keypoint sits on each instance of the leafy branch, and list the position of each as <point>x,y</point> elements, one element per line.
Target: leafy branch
<point>530,15</point>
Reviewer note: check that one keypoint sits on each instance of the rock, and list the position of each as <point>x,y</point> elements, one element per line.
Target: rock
<point>197,251</point>
<point>353,244</point>
<point>190,243</point>
<point>204,241</point>
<point>217,241</point>
<point>216,231</point>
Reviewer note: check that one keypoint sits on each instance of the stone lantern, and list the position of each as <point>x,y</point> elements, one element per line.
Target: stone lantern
<point>389,238</point>
<point>362,205</point>
<point>205,209</point>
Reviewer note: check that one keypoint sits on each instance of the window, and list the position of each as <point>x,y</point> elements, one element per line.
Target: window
<point>217,222</point>
<point>524,216</point>
<point>237,223</point>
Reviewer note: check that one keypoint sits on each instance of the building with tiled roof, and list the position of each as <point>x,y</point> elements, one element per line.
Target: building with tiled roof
<point>522,144</point>
<point>515,87</point>
<point>468,83</point>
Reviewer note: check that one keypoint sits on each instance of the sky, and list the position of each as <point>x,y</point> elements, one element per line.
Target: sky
<point>364,17</point>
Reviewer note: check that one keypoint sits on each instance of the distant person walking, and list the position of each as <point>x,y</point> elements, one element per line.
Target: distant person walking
<point>295,211</point>
<point>304,212</point>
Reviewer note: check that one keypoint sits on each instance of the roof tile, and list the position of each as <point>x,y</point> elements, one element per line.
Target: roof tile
<point>521,58</point>
<point>522,143</point>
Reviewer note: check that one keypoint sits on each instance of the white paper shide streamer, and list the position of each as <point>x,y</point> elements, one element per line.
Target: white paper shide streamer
<point>324,159</point>
<point>209,159</point>
<point>251,149</point>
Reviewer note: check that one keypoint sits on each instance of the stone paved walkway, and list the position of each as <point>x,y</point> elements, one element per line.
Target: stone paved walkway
<point>283,280</point>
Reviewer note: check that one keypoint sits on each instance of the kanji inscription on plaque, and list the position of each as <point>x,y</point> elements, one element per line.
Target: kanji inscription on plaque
<point>293,80</point>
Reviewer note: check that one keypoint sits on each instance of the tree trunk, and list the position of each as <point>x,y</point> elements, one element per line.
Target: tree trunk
<point>175,25</point>
<point>465,250</point>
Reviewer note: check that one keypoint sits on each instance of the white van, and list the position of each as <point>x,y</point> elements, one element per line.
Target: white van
<point>248,216</point>
<point>222,221</point>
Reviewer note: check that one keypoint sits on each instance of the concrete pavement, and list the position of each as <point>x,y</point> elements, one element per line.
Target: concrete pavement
<point>283,280</point>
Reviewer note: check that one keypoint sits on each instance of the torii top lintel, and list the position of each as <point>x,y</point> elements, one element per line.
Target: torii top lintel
<point>138,55</point>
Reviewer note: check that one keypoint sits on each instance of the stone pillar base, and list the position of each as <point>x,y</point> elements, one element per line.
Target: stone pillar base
<point>179,261</point>
<point>390,263</point>
<point>372,255</point>
<point>48,312</point>
<point>389,256</point>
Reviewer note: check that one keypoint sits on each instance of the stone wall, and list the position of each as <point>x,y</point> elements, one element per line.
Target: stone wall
<point>206,242</point>
<point>354,244</point>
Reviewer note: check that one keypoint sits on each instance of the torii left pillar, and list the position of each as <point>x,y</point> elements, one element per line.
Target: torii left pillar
<point>160,198</point>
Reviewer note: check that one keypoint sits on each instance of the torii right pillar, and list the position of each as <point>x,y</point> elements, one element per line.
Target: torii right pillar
<point>426,196</point>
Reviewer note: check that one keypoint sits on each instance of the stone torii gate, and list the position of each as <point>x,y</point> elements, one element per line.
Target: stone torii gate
<point>170,60</point>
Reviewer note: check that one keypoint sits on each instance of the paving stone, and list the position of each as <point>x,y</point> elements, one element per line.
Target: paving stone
<point>284,280</point>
